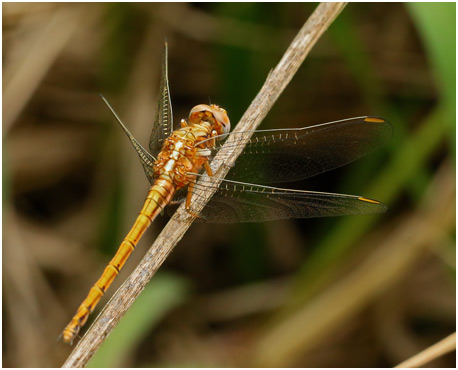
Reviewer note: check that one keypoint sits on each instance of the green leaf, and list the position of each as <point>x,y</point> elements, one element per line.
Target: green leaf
<point>436,24</point>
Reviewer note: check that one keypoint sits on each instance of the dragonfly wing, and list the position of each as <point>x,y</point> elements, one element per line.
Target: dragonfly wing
<point>146,158</point>
<point>180,195</point>
<point>282,155</point>
<point>240,202</point>
<point>163,122</point>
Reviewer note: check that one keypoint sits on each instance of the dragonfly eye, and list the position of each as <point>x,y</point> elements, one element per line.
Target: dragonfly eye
<point>199,113</point>
<point>223,124</point>
<point>213,114</point>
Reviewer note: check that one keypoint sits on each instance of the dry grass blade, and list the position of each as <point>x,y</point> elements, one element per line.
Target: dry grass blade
<point>23,76</point>
<point>441,348</point>
<point>276,82</point>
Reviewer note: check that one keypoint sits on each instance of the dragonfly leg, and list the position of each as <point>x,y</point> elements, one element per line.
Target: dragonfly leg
<point>208,169</point>
<point>191,186</point>
<point>188,200</point>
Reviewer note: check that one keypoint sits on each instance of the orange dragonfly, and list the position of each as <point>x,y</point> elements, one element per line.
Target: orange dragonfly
<point>179,156</point>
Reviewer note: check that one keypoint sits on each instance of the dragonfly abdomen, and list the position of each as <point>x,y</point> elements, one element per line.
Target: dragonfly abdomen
<point>158,197</point>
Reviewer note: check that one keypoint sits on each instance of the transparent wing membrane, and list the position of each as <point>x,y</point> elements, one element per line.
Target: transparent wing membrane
<point>163,122</point>
<point>146,159</point>
<point>243,202</point>
<point>282,155</point>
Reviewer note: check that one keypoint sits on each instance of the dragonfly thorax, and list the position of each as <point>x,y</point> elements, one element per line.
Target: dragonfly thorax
<point>180,155</point>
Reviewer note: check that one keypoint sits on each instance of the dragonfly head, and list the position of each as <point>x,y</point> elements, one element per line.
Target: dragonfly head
<point>212,114</point>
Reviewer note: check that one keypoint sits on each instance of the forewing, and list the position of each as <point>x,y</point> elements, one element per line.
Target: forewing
<point>282,155</point>
<point>163,122</point>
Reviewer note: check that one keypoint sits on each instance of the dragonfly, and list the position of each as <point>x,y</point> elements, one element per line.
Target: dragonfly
<point>179,157</point>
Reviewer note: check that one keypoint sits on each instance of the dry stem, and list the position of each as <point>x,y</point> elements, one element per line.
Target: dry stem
<point>439,349</point>
<point>276,82</point>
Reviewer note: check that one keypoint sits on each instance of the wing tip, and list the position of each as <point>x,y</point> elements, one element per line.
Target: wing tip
<point>380,206</point>
<point>369,200</point>
<point>381,121</point>
<point>375,119</point>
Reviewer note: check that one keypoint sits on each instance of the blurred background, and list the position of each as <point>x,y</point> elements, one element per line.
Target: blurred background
<point>359,291</point>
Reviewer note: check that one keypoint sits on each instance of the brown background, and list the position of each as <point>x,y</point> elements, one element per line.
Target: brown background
<point>362,291</point>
